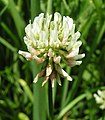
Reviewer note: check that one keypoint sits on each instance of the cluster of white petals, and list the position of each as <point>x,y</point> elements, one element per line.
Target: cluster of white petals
<point>52,39</point>
<point>100,98</point>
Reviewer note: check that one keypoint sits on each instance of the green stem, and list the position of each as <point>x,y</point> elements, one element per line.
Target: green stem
<point>50,101</point>
<point>39,104</point>
<point>66,5</point>
<point>70,105</point>
<point>35,8</point>
<point>54,90</point>
<point>65,89</point>
<point>49,6</point>
<point>50,95</point>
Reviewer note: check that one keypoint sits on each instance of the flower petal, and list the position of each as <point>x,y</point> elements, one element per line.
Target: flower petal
<point>45,81</point>
<point>49,70</point>
<point>52,82</point>
<point>70,55</point>
<point>62,72</point>
<point>58,80</point>
<point>39,75</point>
<point>72,63</point>
<point>27,55</point>
<point>79,56</point>
<point>36,78</point>
<point>38,60</point>
<point>57,59</point>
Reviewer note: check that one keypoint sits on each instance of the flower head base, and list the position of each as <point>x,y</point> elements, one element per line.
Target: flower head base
<point>52,40</point>
<point>100,98</point>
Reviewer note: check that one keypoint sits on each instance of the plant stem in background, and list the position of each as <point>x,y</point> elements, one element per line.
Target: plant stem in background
<point>18,20</point>
<point>70,105</point>
<point>49,6</point>
<point>65,89</point>
<point>39,102</point>
<point>50,100</point>
<point>35,8</point>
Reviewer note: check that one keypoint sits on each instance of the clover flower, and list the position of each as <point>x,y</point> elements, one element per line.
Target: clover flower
<point>52,40</point>
<point>100,98</point>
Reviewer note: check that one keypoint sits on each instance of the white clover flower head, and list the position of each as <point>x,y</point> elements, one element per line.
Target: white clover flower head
<point>52,40</point>
<point>100,98</point>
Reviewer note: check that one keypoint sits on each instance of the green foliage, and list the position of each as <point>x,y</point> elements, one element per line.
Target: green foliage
<point>74,100</point>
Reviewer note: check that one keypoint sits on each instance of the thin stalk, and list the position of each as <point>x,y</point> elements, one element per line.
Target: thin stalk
<point>66,5</point>
<point>70,105</point>
<point>18,20</point>
<point>7,45</point>
<point>39,94</point>
<point>49,6</point>
<point>9,32</point>
<point>19,5</point>
<point>50,92</point>
<point>54,90</point>
<point>39,104</point>
<point>65,89</point>
<point>103,118</point>
<point>35,8</point>
<point>3,10</point>
<point>26,89</point>
<point>50,101</point>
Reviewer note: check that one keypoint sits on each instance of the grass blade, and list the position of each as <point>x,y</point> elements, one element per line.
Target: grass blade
<point>26,89</point>
<point>35,8</point>
<point>49,6</point>
<point>70,105</point>
<point>18,20</point>
<point>39,105</point>
<point>8,45</point>
<point>9,32</point>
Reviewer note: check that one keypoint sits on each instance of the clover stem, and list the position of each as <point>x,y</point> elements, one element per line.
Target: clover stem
<point>50,100</point>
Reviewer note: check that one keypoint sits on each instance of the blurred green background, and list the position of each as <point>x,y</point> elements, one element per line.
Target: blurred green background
<point>74,100</point>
